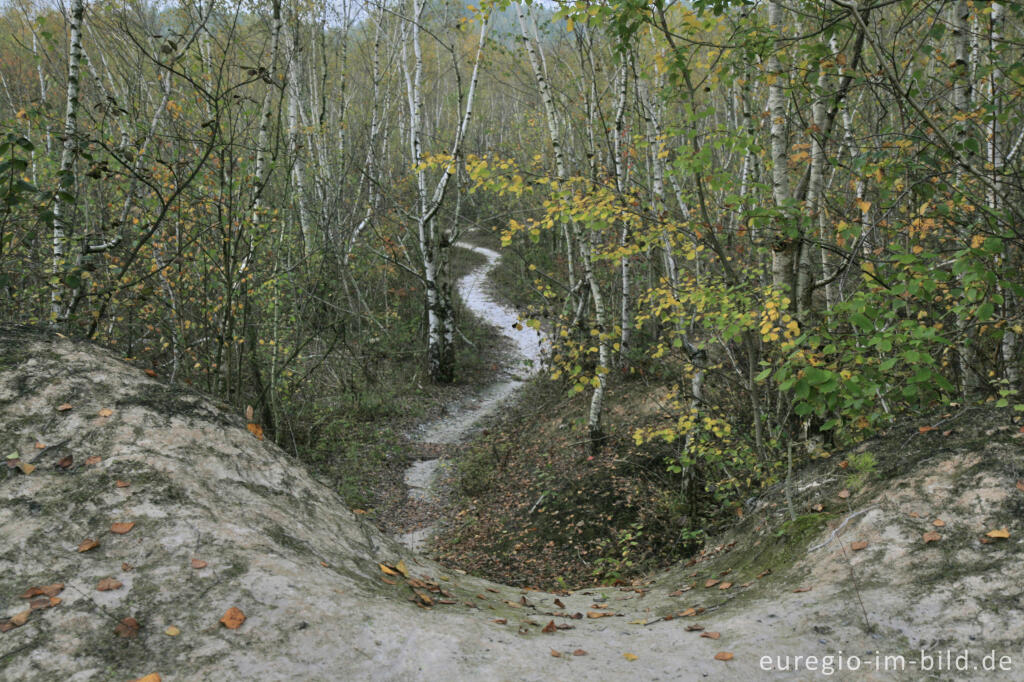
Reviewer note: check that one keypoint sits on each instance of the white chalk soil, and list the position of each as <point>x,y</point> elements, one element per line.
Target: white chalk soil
<point>327,597</point>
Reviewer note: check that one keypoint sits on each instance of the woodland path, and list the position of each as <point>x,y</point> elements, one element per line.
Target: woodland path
<point>528,347</point>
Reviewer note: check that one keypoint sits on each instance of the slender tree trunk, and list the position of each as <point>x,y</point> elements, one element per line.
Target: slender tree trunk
<point>785,248</point>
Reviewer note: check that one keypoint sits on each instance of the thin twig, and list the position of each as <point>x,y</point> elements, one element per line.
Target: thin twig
<point>841,526</point>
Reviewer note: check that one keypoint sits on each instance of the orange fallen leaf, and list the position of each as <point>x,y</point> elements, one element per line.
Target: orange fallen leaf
<point>88,544</point>
<point>579,652</point>
<point>688,612</point>
<point>40,446</point>
<point>914,515</point>
<point>556,654</point>
<point>711,582</point>
<point>1020,486</point>
<point>152,677</point>
<point>859,545</point>
<point>925,429</point>
<point>938,523</point>
<point>121,528</point>
<point>359,511</point>
<point>630,657</point>
<point>197,564</point>
<point>150,372</point>
<point>46,590</point>
<point>549,628</point>
<point>931,536</point>
<point>233,618</point>
<point>387,581</point>
<point>843,494</point>
<point>19,619</point>
<point>711,635</point>
<point>91,461</point>
<point>108,584</point>
<point>500,621</point>
<point>597,614</point>
<point>122,484</point>
<point>723,656</point>
<point>255,429</point>
<point>1003,533</point>
<point>845,463</point>
<point>106,412</point>
<point>25,467</point>
<point>802,589</point>
<point>127,628</point>
<point>387,569</point>
<point>64,407</point>
<point>725,586</point>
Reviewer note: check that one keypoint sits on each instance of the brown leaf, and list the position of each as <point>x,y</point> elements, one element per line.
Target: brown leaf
<point>549,628</point>
<point>938,523</point>
<point>579,652</point>
<point>556,654</point>
<point>255,429</point>
<point>388,580</point>
<point>150,372</point>
<point>725,586</point>
<point>558,603</point>
<point>106,412</point>
<point>925,429</point>
<point>25,467</point>
<point>491,589</point>
<point>197,564</point>
<point>88,544</point>
<point>712,582</point>
<point>696,627</point>
<point>125,566</point>
<point>108,584</point>
<point>122,484</point>
<point>92,461</point>
<point>65,461</point>
<point>688,612</point>
<point>763,573</point>
<point>127,628</point>
<point>122,528</point>
<point>711,635</point>
<point>233,618</point>
<point>19,619</point>
<point>500,621</point>
<point>64,407</point>
<point>597,614</point>
<point>1020,486</point>
<point>859,545</point>
<point>845,463</point>
<point>46,590</point>
<point>843,494</point>
<point>723,656</point>
<point>1002,533</point>
<point>931,536</point>
<point>152,677</point>
<point>40,446</point>
<point>802,589</point>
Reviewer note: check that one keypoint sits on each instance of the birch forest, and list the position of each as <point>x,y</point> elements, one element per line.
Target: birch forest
<point>788,224</point>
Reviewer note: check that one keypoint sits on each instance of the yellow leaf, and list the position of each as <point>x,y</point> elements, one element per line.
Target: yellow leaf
<point>638,621</point>
<point>172,631</point>
<point>977,241</point>
<point>864,206</point>
<point>1001,533</point>
<point>630,657</point>
<point>569,25</point>
<point>400,567</point>
<point>387,569</point>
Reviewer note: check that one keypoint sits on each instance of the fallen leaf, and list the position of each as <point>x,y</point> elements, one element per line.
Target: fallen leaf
<point>859,545</point>
<point>20,619</point>
<point>556,654</point>
<point>127,628</point>
<point>843,494</point>
<point>818,507</point>
<point>579,652</point>
<point>638,621</point>
<point>1003,533</point>
<point>938,523</point>
<point>88,544</point>
<point>95,459</point>
<point>387,569</point>
<point>845,463</point>
<point>64,407</point>
<point>65,461</point>
<point>248,413</point>
<point>802,589</point>
<point>46,590</point>
<point>711,635</point>
<point>763,573</point>
<point>597,614</point>
<point>500,621</point>
<point>696,627</point>
<point>630,657</point>
<point>122,484</point>
<point>387,580</point>
<point>1020,486</point>
<point>233,618</point>
<point>400,567</point>
<point>152,677</point>
<point>106,412</point>
<point>491,589</point>
<point>255,429</point>
<point>558,603</point>
<point>40,446</point>
<point>125,566</point>
<point>359,511</point>
<point>725,586</point>
<point>914,515</point>
<point>172,631</point>
<point>108,584</point>
<point>197,564</point>
<point>723,656</point>
<point>25,467</point>
<point>925,429</point>
<point>150,372</point>
<point>712,582</point>
<point>688,612</point>
<point>931,536</point>
<point>122,527</point>
<point>549,628</point>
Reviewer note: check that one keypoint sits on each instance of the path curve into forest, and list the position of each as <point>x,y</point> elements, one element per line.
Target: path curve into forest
<point>528,347</point>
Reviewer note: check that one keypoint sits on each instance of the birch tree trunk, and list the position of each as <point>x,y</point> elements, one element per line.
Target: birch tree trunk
<point>784,248</point>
